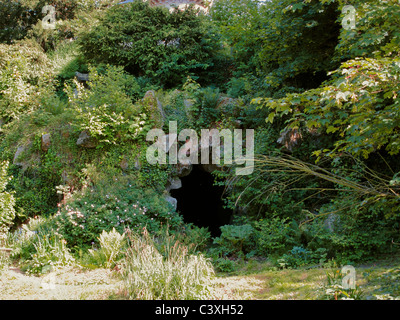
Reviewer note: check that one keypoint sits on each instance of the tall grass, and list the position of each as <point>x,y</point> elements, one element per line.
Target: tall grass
<point>172,274</point>
<point>111,245</point>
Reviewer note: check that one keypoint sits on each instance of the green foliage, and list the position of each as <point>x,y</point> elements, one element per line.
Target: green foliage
<point>50,251</point>
<point>196,239</point>
<point>376,32</point>
<point>105,112</point>
<point>234,240</point>
<point>204,109</point>
<point>273,235</point>
<point>25,73</point>
<point>176,275</point>
<point>7,202</point>
<point>225,265</point>
<point>144,40</point>
<point>359,108</point>
<point>239,22</point>
<point>359,232</point>
<point>300,257</point>
<point>35,186</point>
<point>111,244</point>
<point>292,44</point>
<point>334,290</point>
<point>38,248</point>
<point>119,204</point>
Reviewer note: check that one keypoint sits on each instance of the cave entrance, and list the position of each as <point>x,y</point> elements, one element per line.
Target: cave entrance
<point>200,202</point>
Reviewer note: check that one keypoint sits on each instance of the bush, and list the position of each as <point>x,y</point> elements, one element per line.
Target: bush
<point>235,240</point>
<point>195,238</point>
<point>7,202</point>
<point>149,275</point>
<point>300,257</point>
<point>273,235</point>
<point>151,42</point>
<point>225,264</point>
<point>38,248</point>
<point>105,111</point>
<point>50,251</point>
<point>119,204</point>
<point>25,74</point>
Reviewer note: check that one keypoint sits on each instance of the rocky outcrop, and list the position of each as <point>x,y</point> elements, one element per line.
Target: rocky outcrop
<point>155,108</point>
<point>85,140</point>
<point>174,184</point>
<point>172,201</point>
<point>17,156</point>
<point>182,170</point>
<point>45,142</point>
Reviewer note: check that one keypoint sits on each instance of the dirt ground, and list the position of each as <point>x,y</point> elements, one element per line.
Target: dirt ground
<point>66,284</point>
<point>99,284</point>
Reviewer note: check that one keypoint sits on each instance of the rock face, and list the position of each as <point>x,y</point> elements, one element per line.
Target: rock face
<point>82,76</point>
<point>211,167</point>
<point>156,111</point>
<point>46,142</point>
<point>183,170</point>
<point>17,155</point>
<point>174,184</point>
<point>85,140</point>
<point>172,201</point>
<point>124,164</point>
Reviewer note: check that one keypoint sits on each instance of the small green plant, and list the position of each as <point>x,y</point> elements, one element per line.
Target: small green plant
<point>300,257</point>
<point>273,235</point>
<point>7,202</point>
<point>235,240</point>
<point>174,275</point>
<point>334,289</point>
<point>195,238</point>
<point>225,265</point>
<point>111,244</point>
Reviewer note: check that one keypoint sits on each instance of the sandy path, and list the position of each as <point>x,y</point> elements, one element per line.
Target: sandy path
<point>66,284</point>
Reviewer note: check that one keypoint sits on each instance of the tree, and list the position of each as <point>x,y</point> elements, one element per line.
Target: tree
<point>359,106</point>
<point>152,42</point>
<point>298,42</point>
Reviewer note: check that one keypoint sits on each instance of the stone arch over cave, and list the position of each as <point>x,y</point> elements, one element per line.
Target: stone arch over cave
<point>200,202</point>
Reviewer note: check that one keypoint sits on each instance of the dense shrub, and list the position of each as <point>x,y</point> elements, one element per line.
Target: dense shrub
<point>50,252</point>
<point>300,257</point>
<point>38,248</point>
<point>121,204</point>
<point>176,275</point>
<point>273,235</point>
<point>7,202</point>
<point>235,240</point>
<point>152,42</point>
<point>105,111</point>
<point>110,251</point>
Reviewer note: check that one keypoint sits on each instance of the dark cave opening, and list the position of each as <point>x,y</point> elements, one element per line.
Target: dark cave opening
<point>201,202</point>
